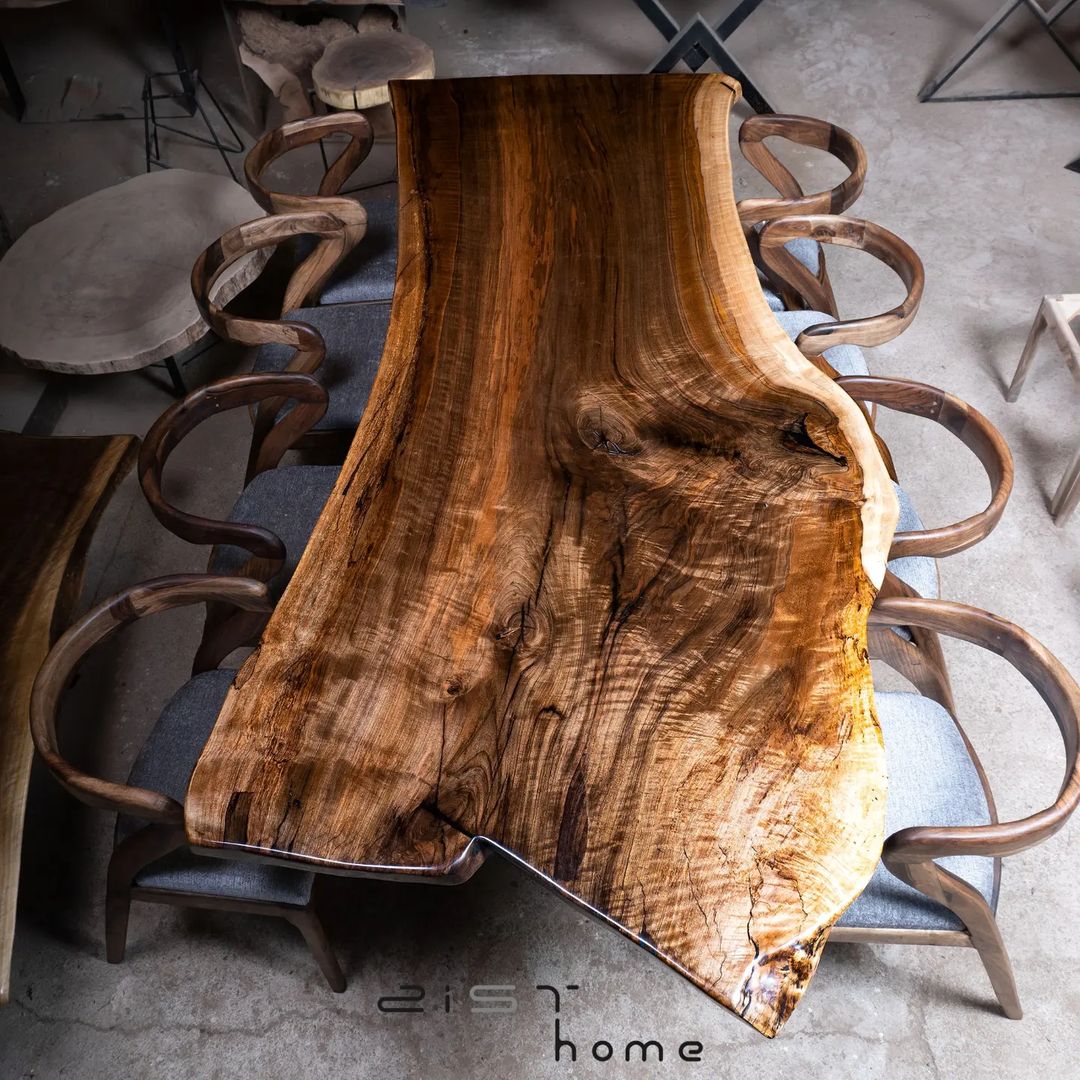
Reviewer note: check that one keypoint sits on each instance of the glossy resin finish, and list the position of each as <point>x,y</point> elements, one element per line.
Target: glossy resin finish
<point>593,587</point>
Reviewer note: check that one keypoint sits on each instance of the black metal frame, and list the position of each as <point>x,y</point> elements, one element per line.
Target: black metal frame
<point>191,83</point>
<point>698,42</point>
<point>1046,19</point>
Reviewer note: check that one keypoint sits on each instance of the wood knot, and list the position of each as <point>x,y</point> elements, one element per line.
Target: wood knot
<point>517,630</point>
<point>454,687</point>
<point>602,429</point>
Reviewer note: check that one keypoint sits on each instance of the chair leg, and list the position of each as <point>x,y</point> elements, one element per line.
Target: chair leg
<point>310,925</point>
<point>974,912</point>
<point>1068,493</point>
<point>986,937</point>
<point>1026,357</point>
<point>117,909</point>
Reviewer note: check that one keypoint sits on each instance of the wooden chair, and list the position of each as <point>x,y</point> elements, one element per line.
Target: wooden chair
<point>349,211</point>
<point>915,550</point>
<point>368,269</point>
<point>269,525</point>
<point>53,491</point>
<point>805,290</point>
<point>151,860</point>
<point>834,344</point>
<point>346,358</point>
<point>1057,314</point>
<point>939,880</point>
<point>754,213</point>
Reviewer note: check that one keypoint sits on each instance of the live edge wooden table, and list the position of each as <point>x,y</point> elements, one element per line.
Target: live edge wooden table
<point>592,589</point>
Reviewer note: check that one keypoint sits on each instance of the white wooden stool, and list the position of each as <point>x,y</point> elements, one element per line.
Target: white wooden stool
<point>1057,314</point>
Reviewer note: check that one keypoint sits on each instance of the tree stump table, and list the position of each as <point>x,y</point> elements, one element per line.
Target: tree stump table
<point>104,284</point>
<point>592,589</point>
<point>355,72</point>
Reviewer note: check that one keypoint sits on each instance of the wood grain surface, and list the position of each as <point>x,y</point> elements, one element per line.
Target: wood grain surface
<point>52,491</point>
<point>592,589</point>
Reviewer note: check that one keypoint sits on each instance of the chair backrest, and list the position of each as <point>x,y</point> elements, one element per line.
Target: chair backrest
<point>806,131</point>
<point>972,429</point>
<point>753,213</point>
<point>183,416</point>
<point>349,211</point>
<point>99,624</point>
<point>790,277</point>
<point>1055,686</point>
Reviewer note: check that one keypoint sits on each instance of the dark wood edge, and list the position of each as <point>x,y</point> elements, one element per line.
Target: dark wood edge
<point>972,429</point>
<point>788,276</point>
<point>126,453</point>
<point>238,243</point>
<point>1055,686</point>
<point>806,131</point>
<point>183,416</point>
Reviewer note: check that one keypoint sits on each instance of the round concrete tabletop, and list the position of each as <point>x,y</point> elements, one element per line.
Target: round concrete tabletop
<point>104,284</point>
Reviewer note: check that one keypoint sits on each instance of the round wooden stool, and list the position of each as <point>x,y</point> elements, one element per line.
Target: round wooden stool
<point>355,71</point>
<point>104,284</point>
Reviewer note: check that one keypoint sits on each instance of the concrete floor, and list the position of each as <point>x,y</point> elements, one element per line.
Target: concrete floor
<point>979,190</point>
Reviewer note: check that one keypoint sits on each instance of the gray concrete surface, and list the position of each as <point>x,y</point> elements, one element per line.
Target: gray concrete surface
<point>980,192</point>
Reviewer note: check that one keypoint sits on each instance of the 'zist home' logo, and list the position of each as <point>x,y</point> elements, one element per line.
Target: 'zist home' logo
<point>496,998</point>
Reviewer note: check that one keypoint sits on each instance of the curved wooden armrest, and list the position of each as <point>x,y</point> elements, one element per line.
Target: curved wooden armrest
<point>270,231</point>
<point>102,622</point>
<point>972,429</point>
<point>350,212</point>
<point>185,415</point>
<point>288,137</point>
<point>806,131</point>
<point>785,272</point>
<point>1055,686</point>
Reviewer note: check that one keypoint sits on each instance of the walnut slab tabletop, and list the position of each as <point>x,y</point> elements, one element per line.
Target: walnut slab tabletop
<point>592,589</point>
<point>52,492</point>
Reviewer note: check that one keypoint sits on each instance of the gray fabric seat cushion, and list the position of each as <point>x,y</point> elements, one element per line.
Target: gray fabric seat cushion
<point>287,501</point>
<point>846,359</point>
<point>918,571</point>
<point>354,336</point>
<point>371,267</point>
<point>165,764</point>
<point>932,781</point>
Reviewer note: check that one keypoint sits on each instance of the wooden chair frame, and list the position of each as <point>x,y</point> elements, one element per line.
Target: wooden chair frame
<point>806,131</point>
<point>310,349</point>
<point>164,832</point>
<point>350,212</point>
<point>972,429</point>
<point>922,659</point>
<point>801,289</point>
<point>226,628</point>
<point>910,854</point>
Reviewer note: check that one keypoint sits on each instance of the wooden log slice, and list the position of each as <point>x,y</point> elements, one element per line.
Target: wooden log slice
<point>104,284</point>
<point>592,589</point>
<point>355,72</point>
